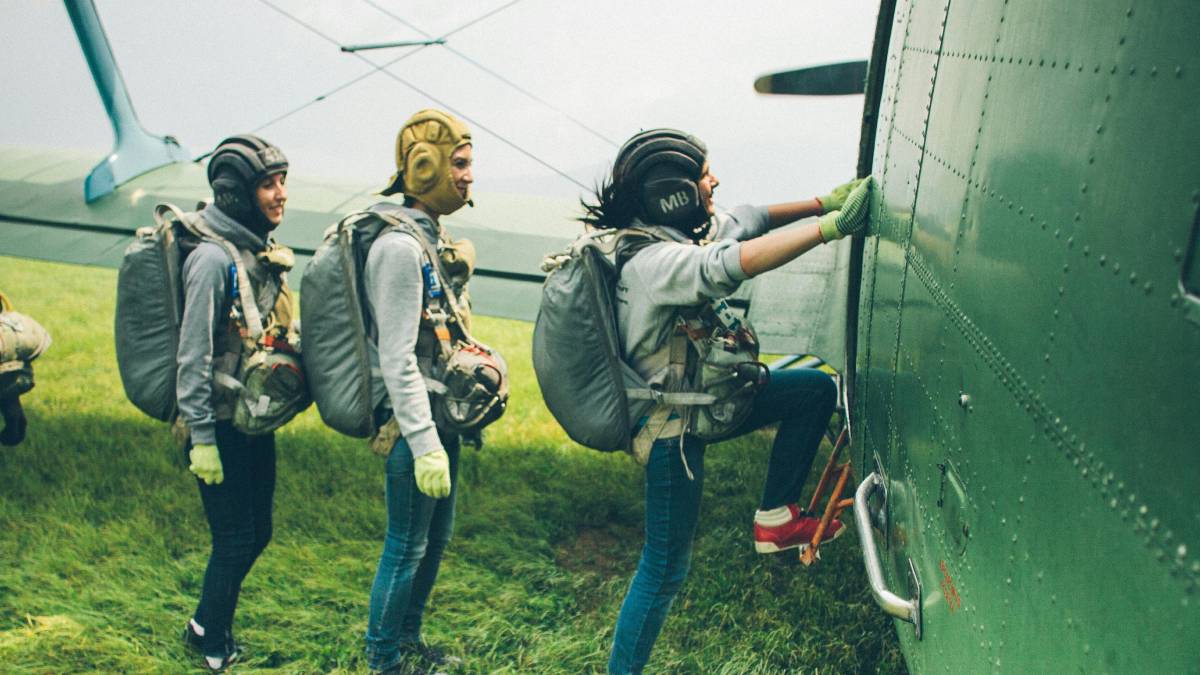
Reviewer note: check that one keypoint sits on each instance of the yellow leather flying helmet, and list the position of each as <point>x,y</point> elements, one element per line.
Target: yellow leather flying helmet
<point>423,149</point>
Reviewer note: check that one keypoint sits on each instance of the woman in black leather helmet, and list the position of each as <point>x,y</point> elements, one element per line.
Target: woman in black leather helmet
<point>669,299</point>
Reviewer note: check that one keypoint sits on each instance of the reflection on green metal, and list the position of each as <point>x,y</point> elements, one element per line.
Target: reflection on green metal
<point>1026,365</point>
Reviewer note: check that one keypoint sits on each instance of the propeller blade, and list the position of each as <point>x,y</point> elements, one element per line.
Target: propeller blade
<point>831,79</point>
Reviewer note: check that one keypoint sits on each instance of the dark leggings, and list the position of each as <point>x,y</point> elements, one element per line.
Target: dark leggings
<point>239,517</point>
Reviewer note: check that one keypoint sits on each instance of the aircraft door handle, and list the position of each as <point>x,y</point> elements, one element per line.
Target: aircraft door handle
<point>908,610</point>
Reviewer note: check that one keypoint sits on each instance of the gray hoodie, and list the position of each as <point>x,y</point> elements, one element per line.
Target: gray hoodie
<point>395,291</point>
<point>668,275</point>
<point>204,331</point>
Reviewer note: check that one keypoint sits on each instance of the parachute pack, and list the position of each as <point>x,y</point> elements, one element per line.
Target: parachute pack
<point>147,324</point>
<point>594,394</point>
<point>468,380</point>
<point>21,341</point>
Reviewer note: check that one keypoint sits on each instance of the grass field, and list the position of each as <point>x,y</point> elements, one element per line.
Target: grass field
<point>103,542</point>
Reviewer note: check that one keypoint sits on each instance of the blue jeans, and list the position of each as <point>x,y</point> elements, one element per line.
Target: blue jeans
<point>802,401</point>
<point>418,530</point>
<point>239,517</point>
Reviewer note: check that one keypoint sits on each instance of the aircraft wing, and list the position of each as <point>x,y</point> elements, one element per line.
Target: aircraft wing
<point>43,215</point>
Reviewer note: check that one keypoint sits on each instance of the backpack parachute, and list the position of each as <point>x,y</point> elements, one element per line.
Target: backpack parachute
<point>335,329</point>
<point>469,384</point>
<point>577,351</point>
<point>21,341</point>
<point>149,312</point>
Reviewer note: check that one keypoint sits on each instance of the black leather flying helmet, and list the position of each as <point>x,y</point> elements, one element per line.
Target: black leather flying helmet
<point>663,167</point>
<point>236,168</point>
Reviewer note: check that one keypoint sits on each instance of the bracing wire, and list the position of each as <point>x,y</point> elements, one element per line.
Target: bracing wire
<point>374,69</point>
<point>382,69</point>
<point>579,123</point>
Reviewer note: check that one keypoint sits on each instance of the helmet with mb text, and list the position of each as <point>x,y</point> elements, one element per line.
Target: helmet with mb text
<point>662,168</point>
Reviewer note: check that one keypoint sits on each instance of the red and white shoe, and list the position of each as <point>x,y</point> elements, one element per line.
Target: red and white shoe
<point>797,532</point>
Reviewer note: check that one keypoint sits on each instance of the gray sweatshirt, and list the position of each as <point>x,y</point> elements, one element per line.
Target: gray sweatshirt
<point>395,291</point>
<point>205,325</point>
<point>668,275</point>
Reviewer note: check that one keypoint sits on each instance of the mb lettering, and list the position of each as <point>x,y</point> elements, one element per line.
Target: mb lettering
<point>671,202</point>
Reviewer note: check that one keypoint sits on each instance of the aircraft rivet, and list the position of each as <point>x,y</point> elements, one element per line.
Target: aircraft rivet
<point>1133,277</point>
<point>1154,71</point>
<point>1129,12</point>
<point>1100,129</point>
<point>1153,522</point>
<point>1070,242</point>
<point>1121,41</point>
<point>1116,268</point>
<point>1066,268</point>
<point>1087,250</point>
<point>1148,287</point>
<point>1103,260</point>
<point>1179,253</point>
<point>1042,62</point>
<point>1083,188</point>
<point>1097,69</point>
<point>1113,503</point>
<point>1178,71</point>
<point>1143,510</point>
<point>1113,71</point>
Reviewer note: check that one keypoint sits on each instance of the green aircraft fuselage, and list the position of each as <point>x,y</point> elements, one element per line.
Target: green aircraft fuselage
<point>1028,333</point>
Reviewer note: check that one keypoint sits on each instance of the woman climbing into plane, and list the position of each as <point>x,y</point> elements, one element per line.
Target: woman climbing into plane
<point>673,276</point>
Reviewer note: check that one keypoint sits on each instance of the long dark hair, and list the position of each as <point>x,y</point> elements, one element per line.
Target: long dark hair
<point>613,209</point>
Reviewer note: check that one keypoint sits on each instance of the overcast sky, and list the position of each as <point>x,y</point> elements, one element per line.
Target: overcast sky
<point>203,70</point>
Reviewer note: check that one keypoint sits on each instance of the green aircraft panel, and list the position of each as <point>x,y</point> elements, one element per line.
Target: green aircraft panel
<point>1027,351</point>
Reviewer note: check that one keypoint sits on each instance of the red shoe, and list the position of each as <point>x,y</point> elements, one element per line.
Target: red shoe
<point>795,533</point>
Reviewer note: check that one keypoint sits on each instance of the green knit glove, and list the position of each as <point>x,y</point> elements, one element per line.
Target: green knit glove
<point>835,199</point>
<point>433,474</point>
<point>851,218</point>
<point>206,464</point>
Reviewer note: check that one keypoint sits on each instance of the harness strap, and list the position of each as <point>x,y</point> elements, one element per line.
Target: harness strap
<point>671,398</point>
<point>194,222</point>
<point>12,366</point>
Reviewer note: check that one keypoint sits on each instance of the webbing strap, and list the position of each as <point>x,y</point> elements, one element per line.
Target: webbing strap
<point>671,397</point>
<point>228,381</point>
<point>195,223</point>
<point>404,223</point>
